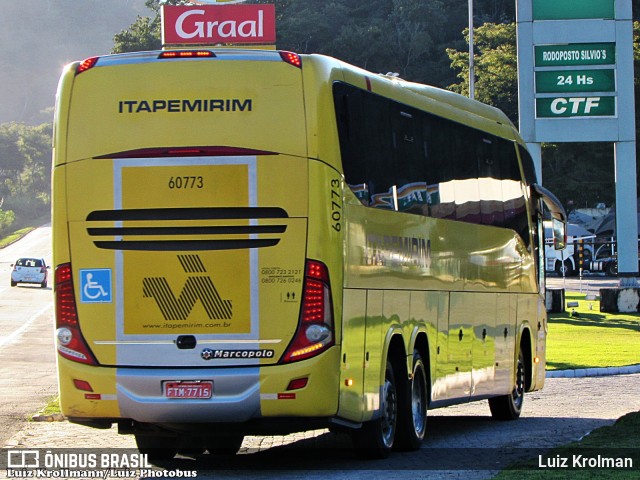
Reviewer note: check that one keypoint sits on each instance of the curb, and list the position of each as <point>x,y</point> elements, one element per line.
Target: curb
<point>593,372</point>
<point>52,417</point>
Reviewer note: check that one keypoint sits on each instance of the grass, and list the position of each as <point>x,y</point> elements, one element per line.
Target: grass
<point>23,228</point>
<point>620,440</point>
<point>583,337</point>
<point>52,407</point>
<point>14,237</point>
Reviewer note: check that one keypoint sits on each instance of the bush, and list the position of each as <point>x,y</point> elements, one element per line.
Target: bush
<point>28,208</point>
<point>7,217</point>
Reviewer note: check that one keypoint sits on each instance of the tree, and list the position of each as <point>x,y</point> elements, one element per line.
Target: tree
<point>25,168</point>
<point>35,148</point>
<point>496,67</point>
<point>494,11</point>
<point>11,161</point>
<point>402,36</point>
<point>144,33</point>
<point>580,174</point>
<point>7,217</point>
<point>141,35</point>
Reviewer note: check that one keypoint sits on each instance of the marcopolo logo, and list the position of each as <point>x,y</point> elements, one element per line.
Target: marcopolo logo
<point>210,354</point>
<point>197,288</point>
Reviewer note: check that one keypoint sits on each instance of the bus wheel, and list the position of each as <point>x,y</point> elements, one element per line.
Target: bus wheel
<point>508,407</point>
<point>224,445</point>
<point>157,447</point>
<point>564,268</point>
<point>412,411</point>
<point>190,446</point>
<point>375,438</point>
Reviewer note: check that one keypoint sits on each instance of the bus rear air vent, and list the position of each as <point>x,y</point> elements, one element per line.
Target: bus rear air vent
<point>187,229</point>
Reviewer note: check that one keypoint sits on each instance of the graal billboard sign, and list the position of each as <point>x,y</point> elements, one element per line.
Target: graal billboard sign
<point>218,24</point>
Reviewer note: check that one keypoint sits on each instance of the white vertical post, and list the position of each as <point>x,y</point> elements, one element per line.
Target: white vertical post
<point>626,210</point>
<point>535,149</point>
<point>472,87</point>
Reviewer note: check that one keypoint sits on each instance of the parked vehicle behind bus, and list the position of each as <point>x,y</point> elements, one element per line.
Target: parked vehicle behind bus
<point>578,253</point>
<point>277,242</point>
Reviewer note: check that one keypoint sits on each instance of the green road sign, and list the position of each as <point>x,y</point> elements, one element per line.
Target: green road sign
<point>560,81</point>
<point>561,107</point>
<point>575,54</point>
<point>572,9</point>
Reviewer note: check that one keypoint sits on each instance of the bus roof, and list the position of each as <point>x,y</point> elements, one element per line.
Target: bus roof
<point>435,100</point>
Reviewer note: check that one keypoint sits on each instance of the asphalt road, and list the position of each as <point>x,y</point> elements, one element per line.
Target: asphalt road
<point>591,283</point>
<point>462,442</point>
<point>27,359</point>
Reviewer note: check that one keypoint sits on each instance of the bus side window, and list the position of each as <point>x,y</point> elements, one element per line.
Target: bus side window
<point>490,180</point>
<point>397,157</point>
<point>365,145</point>
<point>439,170</point>
<point>378,151</point>
<point>348,105</point>
<point>515,209</point>
<point>464,157</point>
<point>410,161</point>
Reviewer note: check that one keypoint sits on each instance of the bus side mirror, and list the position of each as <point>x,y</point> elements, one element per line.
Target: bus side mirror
<point>559,234</point>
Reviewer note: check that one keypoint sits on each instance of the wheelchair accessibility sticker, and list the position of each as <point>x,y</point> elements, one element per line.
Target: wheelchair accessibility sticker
<point>95,285</point>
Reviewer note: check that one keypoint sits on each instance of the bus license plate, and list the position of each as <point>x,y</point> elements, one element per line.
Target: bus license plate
<point>188,389</point>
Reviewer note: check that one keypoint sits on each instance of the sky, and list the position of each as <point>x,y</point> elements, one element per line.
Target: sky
<point>39,37</point>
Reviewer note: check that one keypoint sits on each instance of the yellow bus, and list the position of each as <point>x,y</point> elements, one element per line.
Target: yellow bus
<point>251,242</point>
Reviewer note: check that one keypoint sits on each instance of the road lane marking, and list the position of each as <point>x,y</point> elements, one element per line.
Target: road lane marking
<point>16,333</point>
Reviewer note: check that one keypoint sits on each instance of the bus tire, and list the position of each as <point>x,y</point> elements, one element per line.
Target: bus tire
<point>412,407</point>
<point>157,447</point>
<point>376,437</point>
<point>190,446</point>
<point>224,445</point>
<point>509,407</point>
<point>564,267</point>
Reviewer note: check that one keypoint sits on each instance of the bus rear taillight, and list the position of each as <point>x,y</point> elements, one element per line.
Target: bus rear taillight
<point>315,331</point>
<point>86,65</point>
<point>170,54</point>
<point>291,58</point>
<point>69,340</point>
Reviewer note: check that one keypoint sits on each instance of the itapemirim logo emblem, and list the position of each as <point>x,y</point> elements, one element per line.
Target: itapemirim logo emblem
<point>197,287</point>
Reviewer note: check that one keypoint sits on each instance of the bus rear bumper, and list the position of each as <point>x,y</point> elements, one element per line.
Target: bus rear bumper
<point>236,395</point>
<point>239,394</point>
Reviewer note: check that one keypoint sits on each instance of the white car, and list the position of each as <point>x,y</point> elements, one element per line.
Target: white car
<point>29,270</point>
